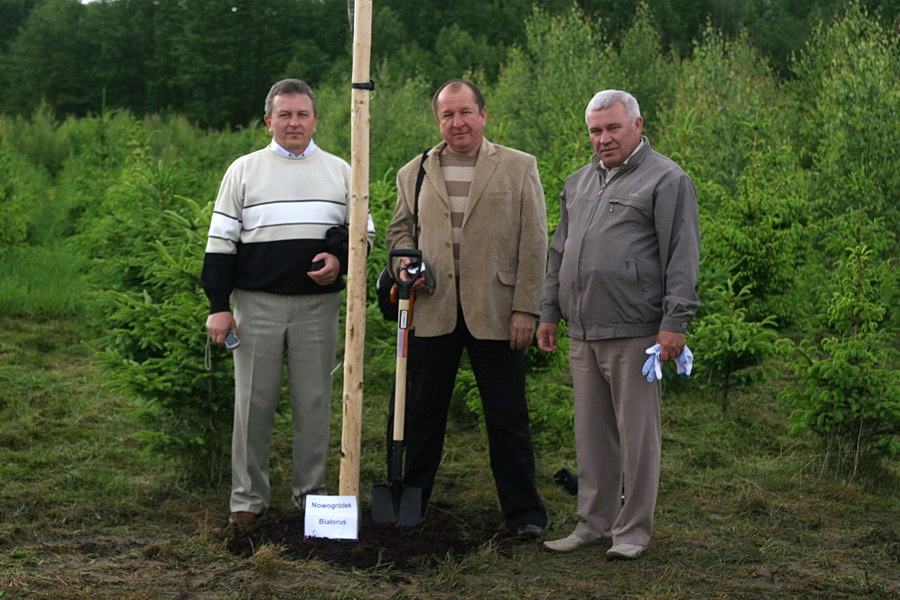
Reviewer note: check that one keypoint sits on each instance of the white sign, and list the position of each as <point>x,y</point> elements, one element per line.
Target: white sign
<point>334,517</point>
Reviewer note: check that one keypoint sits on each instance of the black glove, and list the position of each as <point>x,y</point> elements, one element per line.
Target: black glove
<point>567,481</point>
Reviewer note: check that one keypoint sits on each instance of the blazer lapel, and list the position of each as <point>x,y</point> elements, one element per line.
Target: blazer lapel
<point>433,174</point>
<point>484,170</point>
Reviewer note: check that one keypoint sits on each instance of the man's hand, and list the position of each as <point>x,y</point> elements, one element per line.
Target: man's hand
<point>402,275</point>
<point>327,274</point>
<point>546,336</point>
<point>521,330</point>
<point>218,324</point>
<point>670,344</point>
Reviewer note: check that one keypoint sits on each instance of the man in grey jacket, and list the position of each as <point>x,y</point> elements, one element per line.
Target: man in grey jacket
<point>622,271</point>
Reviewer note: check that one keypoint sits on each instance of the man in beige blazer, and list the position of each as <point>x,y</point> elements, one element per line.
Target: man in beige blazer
<point>482,229</point>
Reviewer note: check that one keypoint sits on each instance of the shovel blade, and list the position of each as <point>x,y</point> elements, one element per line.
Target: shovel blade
<point>404,508</point>
<point>409,512</point>
<point>383,504</point>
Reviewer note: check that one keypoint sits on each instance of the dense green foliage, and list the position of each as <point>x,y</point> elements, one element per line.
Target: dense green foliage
<point>208,60</point>
<point>728,344</point>
<point>150,342</point>
<point>847,390</point>
<point>790,173</point>
<point>14,197</point>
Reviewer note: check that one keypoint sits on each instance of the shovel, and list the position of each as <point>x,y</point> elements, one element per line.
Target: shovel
<point>394,502</point>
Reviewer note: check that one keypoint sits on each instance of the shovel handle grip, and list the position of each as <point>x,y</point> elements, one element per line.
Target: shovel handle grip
<point>415,259</point>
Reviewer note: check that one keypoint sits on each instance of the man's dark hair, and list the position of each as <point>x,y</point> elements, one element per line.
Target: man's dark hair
<point>455,84</point>
<point>287,87</point>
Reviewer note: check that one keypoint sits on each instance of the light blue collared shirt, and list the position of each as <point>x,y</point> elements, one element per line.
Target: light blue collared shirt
<point>277,149</point>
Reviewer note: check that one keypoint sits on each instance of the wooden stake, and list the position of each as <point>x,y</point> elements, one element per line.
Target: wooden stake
<point>354,341</point>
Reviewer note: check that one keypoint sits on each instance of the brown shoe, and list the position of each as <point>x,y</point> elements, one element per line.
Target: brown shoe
<point>243,522</point>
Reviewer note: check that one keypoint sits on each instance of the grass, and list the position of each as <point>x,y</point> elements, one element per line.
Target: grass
<point>743,510</point>
<point>41,281</point>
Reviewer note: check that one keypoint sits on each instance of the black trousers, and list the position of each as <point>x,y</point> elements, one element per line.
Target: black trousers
<point>500,375</point>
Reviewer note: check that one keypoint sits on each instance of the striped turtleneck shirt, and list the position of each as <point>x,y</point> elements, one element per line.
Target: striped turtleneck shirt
<point>458,172</point>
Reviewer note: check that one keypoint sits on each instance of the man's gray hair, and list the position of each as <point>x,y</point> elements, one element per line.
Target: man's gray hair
<point>287,87</point>
<point>607,98</point>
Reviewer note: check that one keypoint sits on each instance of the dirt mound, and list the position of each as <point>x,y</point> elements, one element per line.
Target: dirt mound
<point>442,533</point>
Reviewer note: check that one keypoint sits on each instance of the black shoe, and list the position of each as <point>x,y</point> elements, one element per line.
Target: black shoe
<point>530,532</point>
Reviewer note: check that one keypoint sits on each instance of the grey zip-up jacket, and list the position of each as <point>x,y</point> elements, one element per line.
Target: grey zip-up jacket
<point>624,260</point>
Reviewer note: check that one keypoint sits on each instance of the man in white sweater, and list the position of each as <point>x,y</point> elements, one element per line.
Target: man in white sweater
<point>272,272</point>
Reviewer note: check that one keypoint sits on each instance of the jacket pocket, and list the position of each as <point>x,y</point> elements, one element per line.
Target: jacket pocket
<point>641,294</point>
<point>631,208</point>
<point>633,277</point>
<point>506,277</point>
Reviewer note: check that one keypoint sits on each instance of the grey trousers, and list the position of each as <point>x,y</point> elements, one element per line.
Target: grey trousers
<point>617,439</point>
<point>303,327</point>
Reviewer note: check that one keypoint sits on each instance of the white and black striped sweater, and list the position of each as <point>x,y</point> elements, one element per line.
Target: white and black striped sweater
<point>272,215</point>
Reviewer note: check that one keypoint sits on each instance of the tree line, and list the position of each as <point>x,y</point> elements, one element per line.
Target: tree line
<point>208,60</point>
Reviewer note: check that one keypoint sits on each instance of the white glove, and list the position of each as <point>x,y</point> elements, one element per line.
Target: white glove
<point>685,362</point>
<point>652,368</point>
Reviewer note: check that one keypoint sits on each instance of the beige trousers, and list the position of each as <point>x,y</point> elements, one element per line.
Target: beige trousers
<point>617,439</point>
<point>304,328</point>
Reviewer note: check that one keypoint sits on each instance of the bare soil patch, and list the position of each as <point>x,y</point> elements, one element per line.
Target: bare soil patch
<point>443,533</point>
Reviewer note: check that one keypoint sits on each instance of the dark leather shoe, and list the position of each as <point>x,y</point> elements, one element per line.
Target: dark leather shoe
<point>530,532</point>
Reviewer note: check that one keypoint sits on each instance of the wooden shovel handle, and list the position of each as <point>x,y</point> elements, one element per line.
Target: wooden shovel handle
<point>404,321</point>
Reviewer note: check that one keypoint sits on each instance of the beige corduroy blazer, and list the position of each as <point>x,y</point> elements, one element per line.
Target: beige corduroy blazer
<point>503,247</point>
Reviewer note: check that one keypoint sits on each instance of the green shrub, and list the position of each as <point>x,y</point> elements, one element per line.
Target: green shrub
<point>847,129</point>
<point>13,205</point>
<point>37,139</point>
<point>846,388</point>
<point>538,102</point>
<point>147,249</point>
<point>99,148</point>
<point>650,72</point>
<point>724,110</point>
<point>754,235</point>
<point>728,347</point>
